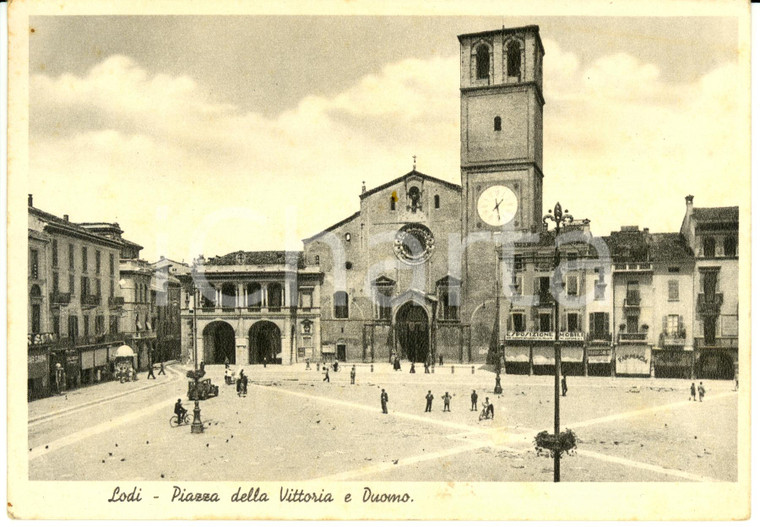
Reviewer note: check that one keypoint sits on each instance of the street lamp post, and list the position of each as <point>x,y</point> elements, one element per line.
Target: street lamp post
<point>560,219</point>
<point>197,426</point>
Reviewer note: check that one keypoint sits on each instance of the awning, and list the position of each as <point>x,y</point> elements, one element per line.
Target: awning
<point>517,353</point>
<point>633,359</point>
<point>545,354</point>
<point>124,351</point>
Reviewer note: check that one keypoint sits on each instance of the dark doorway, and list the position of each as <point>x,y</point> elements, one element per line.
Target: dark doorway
<point>218,343</point>
<point>341,352</point>
<point>716,365</point>
<point>264,343</point>
<point>412,332</point>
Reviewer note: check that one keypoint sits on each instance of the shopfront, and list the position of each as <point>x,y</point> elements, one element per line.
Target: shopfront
<point>675,363</point>
<point>633,359</point>
<point>38,376</point>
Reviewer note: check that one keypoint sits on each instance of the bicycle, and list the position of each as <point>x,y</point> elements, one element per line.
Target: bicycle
<point>174,421</point>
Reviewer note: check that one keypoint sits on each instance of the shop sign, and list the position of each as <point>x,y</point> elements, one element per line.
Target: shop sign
<point>544,335</point>
<point>633,360</point>
<point>35,339</point>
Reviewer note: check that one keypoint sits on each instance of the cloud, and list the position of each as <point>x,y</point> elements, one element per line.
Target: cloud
<point>122,143</point>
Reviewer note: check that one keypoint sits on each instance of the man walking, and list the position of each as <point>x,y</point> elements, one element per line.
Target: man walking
<point>429,402</point>
<point>693,393</point>
<point>701,390</point>
<point>474,400</point>
<point>161,370</point>
<point>384,401</point>
<point>327,374</point>
<point>353,374</point>
<point>446,402</point>
<point>150,372</point>
<point>564,385</point>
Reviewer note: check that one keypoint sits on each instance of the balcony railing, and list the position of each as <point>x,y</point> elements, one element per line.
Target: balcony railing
<point>717,342</point>
<point>90,300</point>
<point>60,299</point>
<point>674,339</point>
<point>545,297</point>
<point>600,337</point>
<point>116,301</point>
<point>632,300</point>
<point>633,337</point>
<point>709,304</point>
<point>256,309</point>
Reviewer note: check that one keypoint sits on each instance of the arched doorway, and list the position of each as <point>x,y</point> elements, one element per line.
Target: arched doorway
<point>264,341</point>
<point>412,332</point>
<point>218,343</point>
<point>715,365</point>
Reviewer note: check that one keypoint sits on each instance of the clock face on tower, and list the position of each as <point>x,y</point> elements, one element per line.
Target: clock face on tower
<point>497,205</point>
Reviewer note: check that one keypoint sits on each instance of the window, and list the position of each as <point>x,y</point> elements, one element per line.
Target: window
<point>348,237</point>
<point>708,247</point>
<point>437,201</point>
<point>340,301</point>
<point>55,253</point>
<point>572,286</point>
<point>729,246</point>
<point>97,288</point>
<point>383,298</point>
<point>316,259</point>
<point>34,263</point>
<point>55,282</point>
<point>513,59</point>
<point>84,259</point>
<point>632,296</point>
<point>228,296</point>
<point>414,196</point>
<point>274,296</point>
<point>36,318</point>
<point>450,301</point>
<point>111,266</point>
<point>56,325</point>
<point>86,325</point>
<point>393,202</point>
<point>544,322</point>
<point>541,289</point>
<point>674,269</point>
<point>100,325</point>
<point>519,263</point>
<point>518,322</point>
<point>85,289</point>
<point>483,62</point>
<point>254,297</point>
<point>497,124</point>
<point>71,284</point>
<point>599,287</point>
<point>306,300</point>
<point>632,324</point>
<point>71,256</point>
<point>599,326</point>
<point>113,324</point>
<point>672,290</point>
<point>573,322</point>
<point>673,327</point>
<point>517,282</point>
<point>113,289</point>
<point>97,262</point>
<point>73,326</point>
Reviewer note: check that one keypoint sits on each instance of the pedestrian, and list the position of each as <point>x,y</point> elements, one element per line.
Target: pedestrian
<point>446,401</point>
<point>736,382</point>
<point>161,369</point>
<point>239,386</point>
<point>497,388</point>
<point>564,385</point>
<point>327,375</point>
<point>429,402</point>
<point>244,383</point>
<point>411,370</point>
<point>701,390</point>
<point>474,400</point>
<point>427,367</point>
<point>693,393</point>
<point>265,361</point>
<point>308,365</point>
<point>397,364</point>
<point>58,377</point>
<point>440,360</point>
<point>150,371</point>
<point>335,366</point>
<point>226,364</point>
<point>384,401</point>
<point>353,374</point>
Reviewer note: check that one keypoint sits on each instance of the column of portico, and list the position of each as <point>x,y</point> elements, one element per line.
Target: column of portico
<point>241,336</point>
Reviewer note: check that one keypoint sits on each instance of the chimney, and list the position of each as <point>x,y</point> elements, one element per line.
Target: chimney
<point>65,217</point>
<point>689,205</point>
<point>30,200</point>
<point>646,230</point>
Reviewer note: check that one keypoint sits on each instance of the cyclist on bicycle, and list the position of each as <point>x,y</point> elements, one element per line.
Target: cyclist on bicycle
<point>179,410</point>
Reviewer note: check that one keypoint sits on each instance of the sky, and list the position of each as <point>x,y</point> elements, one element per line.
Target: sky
<point>205,134</point>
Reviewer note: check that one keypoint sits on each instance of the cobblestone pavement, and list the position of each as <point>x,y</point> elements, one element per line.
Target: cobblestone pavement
<point>294,426</point>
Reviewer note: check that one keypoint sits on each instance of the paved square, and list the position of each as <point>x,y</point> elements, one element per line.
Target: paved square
<point>294,426</point>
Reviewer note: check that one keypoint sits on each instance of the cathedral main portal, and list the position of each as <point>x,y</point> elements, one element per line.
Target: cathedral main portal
<point>412,332</point>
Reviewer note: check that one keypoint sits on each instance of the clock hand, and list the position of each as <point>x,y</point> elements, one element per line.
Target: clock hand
<point>497,204</point>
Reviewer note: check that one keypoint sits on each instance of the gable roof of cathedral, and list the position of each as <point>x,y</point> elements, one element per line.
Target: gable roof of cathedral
<point>452,186</point>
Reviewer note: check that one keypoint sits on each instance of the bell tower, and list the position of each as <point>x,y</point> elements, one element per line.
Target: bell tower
<point>502,128</point>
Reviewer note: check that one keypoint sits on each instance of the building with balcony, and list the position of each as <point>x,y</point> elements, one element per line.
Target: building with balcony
<point>168,302</point>
<point>252,308</point>
<point>72,319</point>
<point>139,290</point>
<point>713,235</point>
